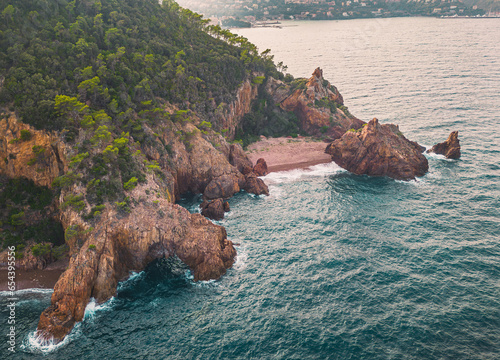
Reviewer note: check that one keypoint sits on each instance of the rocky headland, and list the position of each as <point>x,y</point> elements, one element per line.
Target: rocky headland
<point>183,155</point>
<point>95,152</point>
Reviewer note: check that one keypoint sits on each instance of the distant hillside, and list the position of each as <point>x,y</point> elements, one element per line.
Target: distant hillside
<point>486,5</point>
<point>256,10</point>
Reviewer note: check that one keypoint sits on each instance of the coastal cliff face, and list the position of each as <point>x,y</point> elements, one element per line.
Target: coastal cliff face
<point>119,239</point>
<point>379,150</point>
<point>120,243</point>
<point>29,153</point>
<point>230,116</point>
<point>319,106</point>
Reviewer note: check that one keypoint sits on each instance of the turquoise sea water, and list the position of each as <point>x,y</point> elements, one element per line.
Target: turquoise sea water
<point>333,265</point>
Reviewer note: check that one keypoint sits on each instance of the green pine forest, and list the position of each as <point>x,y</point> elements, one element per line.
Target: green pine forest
<point>101,73</point>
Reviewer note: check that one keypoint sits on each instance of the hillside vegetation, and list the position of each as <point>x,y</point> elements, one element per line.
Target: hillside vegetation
<point>112,78</point>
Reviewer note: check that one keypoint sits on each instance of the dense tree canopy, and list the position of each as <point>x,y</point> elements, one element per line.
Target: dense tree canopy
<point>116,56</point>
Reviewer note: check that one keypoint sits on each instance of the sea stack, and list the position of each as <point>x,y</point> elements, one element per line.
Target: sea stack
<point>450,148</point>
<point>379,150</point>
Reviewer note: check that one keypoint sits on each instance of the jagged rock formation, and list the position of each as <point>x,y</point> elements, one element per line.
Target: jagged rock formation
<point>379,150</point>
<point>319,106</point>
<point>119,244</point>
<point>255,185</point>
<point>203,164</point>
<point>450,148</point>
<point>260,168</point>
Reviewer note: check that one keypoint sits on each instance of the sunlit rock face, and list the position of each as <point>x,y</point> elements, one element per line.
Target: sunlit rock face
<point>379,150</point>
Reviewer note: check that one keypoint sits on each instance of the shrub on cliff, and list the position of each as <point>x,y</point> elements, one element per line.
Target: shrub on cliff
<point>22,202</point>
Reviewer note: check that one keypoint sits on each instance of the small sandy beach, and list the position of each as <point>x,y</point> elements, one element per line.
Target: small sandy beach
<point>283,154</point>
<point>43,279</point>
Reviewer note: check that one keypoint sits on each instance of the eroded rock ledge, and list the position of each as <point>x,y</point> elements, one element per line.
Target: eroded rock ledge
<point>379,150</point>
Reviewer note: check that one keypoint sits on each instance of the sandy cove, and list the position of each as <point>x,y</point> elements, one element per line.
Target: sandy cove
<point>283,154</point>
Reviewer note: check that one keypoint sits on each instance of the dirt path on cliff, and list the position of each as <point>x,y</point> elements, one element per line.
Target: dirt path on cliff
<point>283,154</point>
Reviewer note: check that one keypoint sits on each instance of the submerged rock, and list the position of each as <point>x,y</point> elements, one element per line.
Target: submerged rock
<point>260,168</point>
<point>379,150</point>
<point>450,148</point>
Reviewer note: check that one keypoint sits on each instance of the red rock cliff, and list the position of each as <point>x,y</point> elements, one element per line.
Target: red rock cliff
<point>319,106</point>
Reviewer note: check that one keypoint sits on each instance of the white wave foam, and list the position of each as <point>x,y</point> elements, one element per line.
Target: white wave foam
<point>415,182</point>
<point>301,174</point>
<point>241,259</point>
<point>27,291</point>
<point>275,192</point>
<point>93,307</point>
<point>436,156</point>
<point>131,279</point>
<point>189,275</point>
<point>36,344</point>
<point>134,275</point>
<point>203,283</point>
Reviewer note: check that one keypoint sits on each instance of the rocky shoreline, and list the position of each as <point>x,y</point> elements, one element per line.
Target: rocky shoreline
<point>107,243</point>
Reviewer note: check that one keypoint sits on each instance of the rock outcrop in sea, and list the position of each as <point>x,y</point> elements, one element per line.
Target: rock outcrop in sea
<point>260,168</point>
<point>379,150</point>
<point>214,209</point>
<point>449,148</point>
